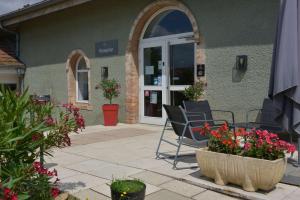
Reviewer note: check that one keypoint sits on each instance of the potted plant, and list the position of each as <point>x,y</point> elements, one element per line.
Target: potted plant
<point>127,189</point>
<point>194,92</point>
<point>252,159</point>
<point>111,89</point>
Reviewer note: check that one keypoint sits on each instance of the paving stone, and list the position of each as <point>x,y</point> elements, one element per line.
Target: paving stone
<point>182,188</point>
<point>165,195</point>
<point>80,182</point>
<point>152,178</point>
<point>210,195</point>
<point>88,165</point>
<point>90,195</point>
<point>113,171</point>
<point>293,196</point>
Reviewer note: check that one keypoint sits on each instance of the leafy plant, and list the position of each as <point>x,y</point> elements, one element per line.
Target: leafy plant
<point>128,186</point>
<point>259,144</point>
<point>110,88</point>
<point>23,124</point>
<point>194,92</point>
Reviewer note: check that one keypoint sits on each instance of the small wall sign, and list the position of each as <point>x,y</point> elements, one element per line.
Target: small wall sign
<point>106,48</point>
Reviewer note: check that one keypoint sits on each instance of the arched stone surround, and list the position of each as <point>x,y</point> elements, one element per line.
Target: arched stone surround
<point>131,57</point>
<point>71,78</point>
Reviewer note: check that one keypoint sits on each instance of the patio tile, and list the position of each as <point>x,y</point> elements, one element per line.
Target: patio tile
<point>182,188</point>
<point>105,189</point>
<point>210,195</point>
<point>165,195</point>
<point>80,182</point>
<point>88,165</point>
<point>64,172</point>
<point>61,160</point>
<point>293,196</point>
<point>146,163</point>
<point>152,178</point>
<point>281,191</point>
<point>113,171</point>
<point>90,194</point>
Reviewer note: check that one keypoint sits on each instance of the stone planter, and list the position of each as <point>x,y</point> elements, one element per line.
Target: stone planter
<point>250,173</point>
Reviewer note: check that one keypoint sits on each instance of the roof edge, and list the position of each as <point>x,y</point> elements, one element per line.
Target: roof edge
<point>36,10</point>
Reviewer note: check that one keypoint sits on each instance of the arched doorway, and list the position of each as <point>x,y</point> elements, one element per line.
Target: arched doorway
<point>163,51</point>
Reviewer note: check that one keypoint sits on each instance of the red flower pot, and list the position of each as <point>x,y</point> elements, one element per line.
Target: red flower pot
<point>110,113</point>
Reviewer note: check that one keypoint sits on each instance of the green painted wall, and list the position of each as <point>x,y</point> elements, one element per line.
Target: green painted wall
<point>230,28</point>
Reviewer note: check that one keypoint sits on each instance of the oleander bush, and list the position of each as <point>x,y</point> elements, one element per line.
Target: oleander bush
<point>29,129</point>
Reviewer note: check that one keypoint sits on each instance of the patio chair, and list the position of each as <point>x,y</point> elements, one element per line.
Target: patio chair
<point>266,120</point>
<point>183,128</point>
<point>194,109</point>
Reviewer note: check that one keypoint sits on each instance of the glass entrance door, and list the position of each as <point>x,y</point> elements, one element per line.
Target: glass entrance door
<point>181,69</point>
<point>166,68</point>
<point>152,82</point>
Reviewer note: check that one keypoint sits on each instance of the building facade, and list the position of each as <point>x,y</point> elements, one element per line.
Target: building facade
<point>154,48</point>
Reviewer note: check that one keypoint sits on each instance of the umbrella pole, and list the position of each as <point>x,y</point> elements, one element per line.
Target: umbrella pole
<point>298,148</point>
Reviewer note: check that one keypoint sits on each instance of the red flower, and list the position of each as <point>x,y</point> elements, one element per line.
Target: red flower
<point>55,192</point>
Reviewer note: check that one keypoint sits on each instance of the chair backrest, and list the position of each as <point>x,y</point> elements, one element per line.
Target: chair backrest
<point>268,114</point>
<point>178,120</point>
<point>199,107</point>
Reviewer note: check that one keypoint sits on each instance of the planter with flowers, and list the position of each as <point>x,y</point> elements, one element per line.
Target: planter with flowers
<point>254,160</point>
<point>111,89</point>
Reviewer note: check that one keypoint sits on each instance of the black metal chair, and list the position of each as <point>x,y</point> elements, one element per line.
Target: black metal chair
<point>183,128</point>
<point>265,120</point>
<point>194,109</point>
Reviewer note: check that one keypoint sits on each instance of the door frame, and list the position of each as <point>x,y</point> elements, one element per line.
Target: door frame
<point>164,42</point>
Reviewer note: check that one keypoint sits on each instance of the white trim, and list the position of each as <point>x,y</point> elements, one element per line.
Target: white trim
<point>87,70</point>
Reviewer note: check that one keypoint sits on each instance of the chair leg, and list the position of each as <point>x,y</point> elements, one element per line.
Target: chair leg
<point>161,137</point>
<point>177,152</point>
<point>178,148</point>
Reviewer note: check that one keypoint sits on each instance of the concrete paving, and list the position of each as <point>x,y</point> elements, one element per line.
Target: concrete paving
<point>100,154</point>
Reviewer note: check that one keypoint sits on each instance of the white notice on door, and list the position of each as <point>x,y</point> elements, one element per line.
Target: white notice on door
<point>149,70</point>
<point>153,98</point>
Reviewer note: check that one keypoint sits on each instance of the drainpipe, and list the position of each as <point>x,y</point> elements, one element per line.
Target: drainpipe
<point>17,36</point>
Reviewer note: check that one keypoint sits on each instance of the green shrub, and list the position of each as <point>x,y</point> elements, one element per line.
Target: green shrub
<point>194,92</point>
<point>23,122</point>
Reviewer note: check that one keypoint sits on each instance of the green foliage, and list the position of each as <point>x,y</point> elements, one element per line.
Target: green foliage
<point>27,127</point>
<point>194,92</point>
<point>110,88</point>
<point>127,186</point>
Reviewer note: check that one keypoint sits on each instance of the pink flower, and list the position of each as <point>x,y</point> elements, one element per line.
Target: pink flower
<point>247,146</point>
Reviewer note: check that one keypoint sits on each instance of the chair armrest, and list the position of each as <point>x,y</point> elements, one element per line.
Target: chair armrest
<point>226,111</point>
<point>250,111</point>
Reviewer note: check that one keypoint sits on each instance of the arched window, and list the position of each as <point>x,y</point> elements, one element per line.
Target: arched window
<point>168,23</point>
<point>82,80</point>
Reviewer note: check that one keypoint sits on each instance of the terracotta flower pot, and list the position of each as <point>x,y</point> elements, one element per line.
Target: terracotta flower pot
<point>110,114</point>
<point>250,173</point>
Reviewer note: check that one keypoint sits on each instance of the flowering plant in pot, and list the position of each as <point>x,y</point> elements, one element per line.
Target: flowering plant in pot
<point>253,159</point>
<point>111,89</point>
<point>127,190</point>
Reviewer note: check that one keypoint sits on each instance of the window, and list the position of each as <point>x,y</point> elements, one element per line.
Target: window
<point>82,81</point>
<point>168,23</point>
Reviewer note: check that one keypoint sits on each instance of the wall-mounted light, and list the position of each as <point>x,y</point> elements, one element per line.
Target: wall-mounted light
<point>241,62</point>
<point>104,73</point>
<point>20,71</point>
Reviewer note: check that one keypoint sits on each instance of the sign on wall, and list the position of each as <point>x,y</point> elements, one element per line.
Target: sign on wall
<point>106,48</point>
